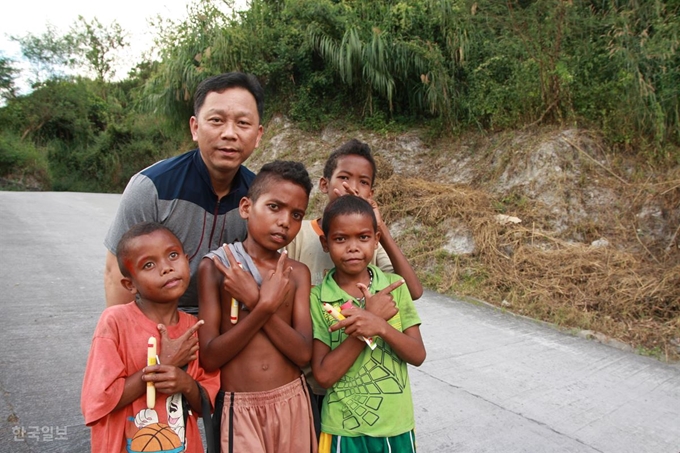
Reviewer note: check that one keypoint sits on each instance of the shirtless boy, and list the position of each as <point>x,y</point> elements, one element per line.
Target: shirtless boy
<point>262,345</point>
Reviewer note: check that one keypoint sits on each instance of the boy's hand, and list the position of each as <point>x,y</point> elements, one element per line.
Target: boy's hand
<point>347,190</point>
<point>360,323</point>
<point>167,379</point>
<point>181,350</point>
<point>276,286</point>
<point>237,282</point>
<point>376,211</point>
<point>381,303</point>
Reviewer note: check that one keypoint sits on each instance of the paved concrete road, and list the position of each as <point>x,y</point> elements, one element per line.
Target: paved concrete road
<point>492,382</point>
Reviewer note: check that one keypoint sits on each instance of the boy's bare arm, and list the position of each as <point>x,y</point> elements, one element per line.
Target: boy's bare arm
<point>216,348</point>
<point>219,347</point>
<point>170,380</point>
<point>166,378</point>
<point>134,388</point>
<point>329,366</point>
<point>294,341</point>
<point>400,263</point>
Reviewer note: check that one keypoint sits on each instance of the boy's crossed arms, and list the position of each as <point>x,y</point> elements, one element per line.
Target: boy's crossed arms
<point>289,331</point>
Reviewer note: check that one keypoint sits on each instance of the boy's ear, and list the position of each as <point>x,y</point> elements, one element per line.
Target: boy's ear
<point>324,243</point>
<point>377,239</point>
<point>127,283</point>
<point>323,185</point>
<point>244,207</point>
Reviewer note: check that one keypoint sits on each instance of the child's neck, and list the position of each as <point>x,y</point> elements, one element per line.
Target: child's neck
<point>165,313</point>
<point>348,282</point>
<point>261,256</point>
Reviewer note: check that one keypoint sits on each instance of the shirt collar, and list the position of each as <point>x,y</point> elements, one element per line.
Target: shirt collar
<point>331,292</point>
<point>237,184</point>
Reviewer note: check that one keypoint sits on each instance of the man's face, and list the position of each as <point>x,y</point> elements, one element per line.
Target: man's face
<point>274,219</point>
<point>353,175</point>
<point>159,268</point>
<point>227,130</point>
<point>351,242</point>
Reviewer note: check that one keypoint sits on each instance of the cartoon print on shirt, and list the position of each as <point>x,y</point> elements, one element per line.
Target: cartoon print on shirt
<point>154,436</point>
<point>175,410</point>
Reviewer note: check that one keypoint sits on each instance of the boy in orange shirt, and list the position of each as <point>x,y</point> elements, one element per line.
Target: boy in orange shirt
<point>155,269</point>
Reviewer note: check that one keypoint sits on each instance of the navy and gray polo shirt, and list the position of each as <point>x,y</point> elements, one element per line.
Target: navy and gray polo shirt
<point>177,193</point>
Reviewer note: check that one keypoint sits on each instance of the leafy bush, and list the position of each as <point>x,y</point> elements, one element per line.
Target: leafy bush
<point>23,163</point>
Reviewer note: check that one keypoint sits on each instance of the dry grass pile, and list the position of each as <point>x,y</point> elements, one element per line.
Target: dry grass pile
<point>628,290</point>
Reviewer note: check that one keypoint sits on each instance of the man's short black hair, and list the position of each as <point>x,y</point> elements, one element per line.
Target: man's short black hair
<point>346,205</point>
<point>353,147</point>
<point>222,82</point>
<point>279,170</point>
<point>139,229</point>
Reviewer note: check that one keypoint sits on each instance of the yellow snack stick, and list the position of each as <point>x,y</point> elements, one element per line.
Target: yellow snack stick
<point>331,310</point>
<point>151,360</point>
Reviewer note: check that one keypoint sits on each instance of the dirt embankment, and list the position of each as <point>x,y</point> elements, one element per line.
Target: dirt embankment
<point>546,223</point>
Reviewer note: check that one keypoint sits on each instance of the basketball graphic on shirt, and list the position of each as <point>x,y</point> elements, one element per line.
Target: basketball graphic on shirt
<point>155,438</point>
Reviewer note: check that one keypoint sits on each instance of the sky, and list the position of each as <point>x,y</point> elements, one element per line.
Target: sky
<point>32,17</point>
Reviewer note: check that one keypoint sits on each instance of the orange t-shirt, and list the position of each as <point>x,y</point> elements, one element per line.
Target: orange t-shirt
<point>119,349</point>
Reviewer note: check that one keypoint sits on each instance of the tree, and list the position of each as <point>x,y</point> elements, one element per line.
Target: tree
<point>7,75</point>
<point>88,46</point>
<point>97,44</point>
<point>49,54</point>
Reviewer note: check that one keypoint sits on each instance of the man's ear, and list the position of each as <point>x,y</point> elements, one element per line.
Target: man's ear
<point>244,207</point>
<point>127,284</point>
<point>260,131</point>
<point>324,243</point>
<point>323,185</point>
<point>193,127</point>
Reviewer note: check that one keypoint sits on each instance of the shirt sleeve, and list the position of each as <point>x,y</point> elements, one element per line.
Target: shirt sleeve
<point>138,204</point>
<point>319,323</point>
<point>383,261</point>
<point>104,374</point>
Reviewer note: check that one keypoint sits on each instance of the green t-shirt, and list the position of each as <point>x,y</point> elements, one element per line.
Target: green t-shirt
<point>374,397</point>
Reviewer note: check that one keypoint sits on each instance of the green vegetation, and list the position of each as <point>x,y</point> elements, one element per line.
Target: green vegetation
<point>443,65</point>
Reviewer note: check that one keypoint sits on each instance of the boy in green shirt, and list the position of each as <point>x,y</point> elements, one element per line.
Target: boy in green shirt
<point>368,406</point>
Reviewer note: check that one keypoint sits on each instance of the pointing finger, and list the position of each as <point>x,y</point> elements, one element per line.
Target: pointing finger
<point>192,329</point>
<point>392,287</point>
